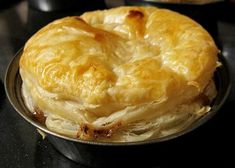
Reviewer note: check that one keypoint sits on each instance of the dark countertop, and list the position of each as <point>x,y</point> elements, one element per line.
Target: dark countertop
<point>20,144</point>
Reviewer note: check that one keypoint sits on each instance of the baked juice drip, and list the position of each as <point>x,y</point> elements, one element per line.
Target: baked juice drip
<point>123,74</point>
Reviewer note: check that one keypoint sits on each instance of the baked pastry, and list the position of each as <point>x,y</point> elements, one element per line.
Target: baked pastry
<point>123,74</point>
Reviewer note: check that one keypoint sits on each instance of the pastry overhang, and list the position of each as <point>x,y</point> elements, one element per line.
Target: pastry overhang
<point>123,74</point>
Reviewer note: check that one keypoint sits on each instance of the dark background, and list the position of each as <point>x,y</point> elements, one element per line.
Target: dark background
<point>22,147</point>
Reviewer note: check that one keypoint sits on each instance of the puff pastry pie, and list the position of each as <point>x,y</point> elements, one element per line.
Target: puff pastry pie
<point>123,74</point>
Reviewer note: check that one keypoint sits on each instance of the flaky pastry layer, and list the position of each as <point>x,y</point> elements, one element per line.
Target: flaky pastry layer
<point>106,73</point>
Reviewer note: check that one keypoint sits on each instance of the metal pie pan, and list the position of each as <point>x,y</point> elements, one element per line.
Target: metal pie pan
<point>101,154</point>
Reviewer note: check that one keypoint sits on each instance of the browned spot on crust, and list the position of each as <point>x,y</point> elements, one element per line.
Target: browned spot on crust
<point>136,22</point>
<point>107,123</point>
<point>135,14</point>
<point>79,19</point>
<point>85,129</point>
<point>204,99</point>
<point>88,133</point>
<point>99,37</point>
<point>106,132</point>
<point>102,133</point>
<point>39,115</point>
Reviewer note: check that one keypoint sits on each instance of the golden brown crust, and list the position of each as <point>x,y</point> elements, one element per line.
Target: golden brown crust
<point>114,61</point>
